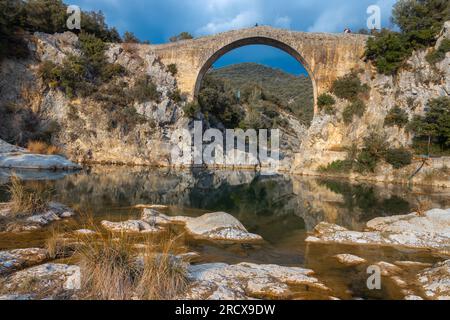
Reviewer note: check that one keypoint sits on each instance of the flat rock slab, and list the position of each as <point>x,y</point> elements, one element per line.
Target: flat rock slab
<point>131,226</point>
<point>219,281</point>
<point>18,259</point>
<point>435,281</point>
<point>429,231</point>
<point>349,260</point>
<point>212,226</point>
<point>47,281</point>
<point>55,212</point>
<point>37,162</point>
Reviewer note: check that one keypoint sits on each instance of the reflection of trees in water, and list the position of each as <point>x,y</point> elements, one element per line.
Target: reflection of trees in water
<point>365,198</point>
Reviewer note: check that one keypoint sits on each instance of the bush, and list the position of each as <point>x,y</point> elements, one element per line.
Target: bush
<point>40,147</point>
<point>349,87</point>
<point>396,117</point>
<point>181,36</point>
<point>338,166</point>
<point>191,109</point>
<point>172,68</point>
<point>435,125</point>
<point>398,158</point>
<point>357,108</point>
<point>145,90</point>
<point>129,37</point>
<point>325,102</point>
<point>374,149</point>
<point>439,54</point>
<point>388,50</point>
<point>176,96</point>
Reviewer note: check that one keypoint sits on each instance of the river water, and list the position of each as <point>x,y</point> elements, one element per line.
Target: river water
<point>283,209</point>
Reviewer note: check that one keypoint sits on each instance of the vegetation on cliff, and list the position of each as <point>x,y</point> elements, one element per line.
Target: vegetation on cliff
<point>420,22</point>
<point>249,95</point>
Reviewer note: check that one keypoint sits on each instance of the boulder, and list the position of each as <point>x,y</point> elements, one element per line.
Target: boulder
<point>219,281</point>
<point>435,281</point>
<point>14,260</point>
<point>37,161</point>
<point>131,226</point>
<point>47,281</point>
<point>211,226</point>
<point>55,212</point>
<point>428,231</point>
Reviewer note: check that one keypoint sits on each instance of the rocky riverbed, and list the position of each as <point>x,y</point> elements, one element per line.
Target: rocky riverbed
<point>34,274</point>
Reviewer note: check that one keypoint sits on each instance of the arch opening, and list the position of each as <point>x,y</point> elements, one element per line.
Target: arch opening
<point>256,41</point>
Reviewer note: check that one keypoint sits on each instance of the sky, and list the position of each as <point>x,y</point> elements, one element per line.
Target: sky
<point>158,20</point>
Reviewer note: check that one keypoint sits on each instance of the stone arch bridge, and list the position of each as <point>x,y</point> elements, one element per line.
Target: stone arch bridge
<point>325,56</point>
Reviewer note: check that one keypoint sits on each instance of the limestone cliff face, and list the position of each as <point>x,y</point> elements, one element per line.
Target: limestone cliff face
<point>411,90</point>
<point>84,128</point>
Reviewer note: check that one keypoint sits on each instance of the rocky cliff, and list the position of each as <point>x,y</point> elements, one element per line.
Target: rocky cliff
<point>90,132</point>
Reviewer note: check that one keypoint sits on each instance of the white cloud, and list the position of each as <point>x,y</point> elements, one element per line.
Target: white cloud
<point>283,22</point>
<point>242,20</point>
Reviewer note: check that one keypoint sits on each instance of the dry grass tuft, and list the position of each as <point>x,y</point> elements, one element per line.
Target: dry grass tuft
<point>40,147</point>
<point>113,269</point>
<point>28,198</point>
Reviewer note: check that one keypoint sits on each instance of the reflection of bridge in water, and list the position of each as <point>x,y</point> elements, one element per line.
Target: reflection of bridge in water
<point>325,56</point>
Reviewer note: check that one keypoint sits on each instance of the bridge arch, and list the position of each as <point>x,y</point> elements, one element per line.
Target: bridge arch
<point>257,40</point>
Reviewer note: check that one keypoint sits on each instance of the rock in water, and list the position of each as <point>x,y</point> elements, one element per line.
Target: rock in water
<point>14,260</point>
<point>219,281</point>
<point>131,226</point>
<point>36,161</point>
<point>212,226</point>
<point>430,231</point>
<point>47,281</point>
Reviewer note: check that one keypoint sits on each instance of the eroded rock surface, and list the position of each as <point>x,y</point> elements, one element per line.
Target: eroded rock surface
<point>13,260</point>
<point>36,161</point>
<point>349,260</point>
<point>131,226</point>
<point>26,222</point>
<point>46,281</point>
<point>212,226</point>
<point>428,231</point>
<point>435,281</point>
<point>218,281</point>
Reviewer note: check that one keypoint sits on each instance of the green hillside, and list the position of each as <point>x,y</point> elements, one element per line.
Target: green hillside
<point>294,93</point>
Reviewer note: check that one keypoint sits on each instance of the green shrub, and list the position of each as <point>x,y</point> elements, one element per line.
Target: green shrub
<point>396,117</point>
<point>439,54</point>
<point>325,102</point>
<point>356,108</point>
<point>374,149</point>
<point>420,22</point>
<point>129,37</point>
<point>349,87</point>
<point>145,90</point>
<point>172,69</point>
<point>181,36</point>
<point>191,109</point>
<point>176,96</point>
<point>338,166</point>
<point>435,125</point>
<point>398,158</point>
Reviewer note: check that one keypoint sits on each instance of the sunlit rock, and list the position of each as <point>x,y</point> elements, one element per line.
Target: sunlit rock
<point>131,226</point>
<point>20,258</point>
<point>46,281</point>
<point>436,281</point>
<point>429,231</point>
<point>349,260</point>
<point>219,281</point>
<point>212,226</point>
